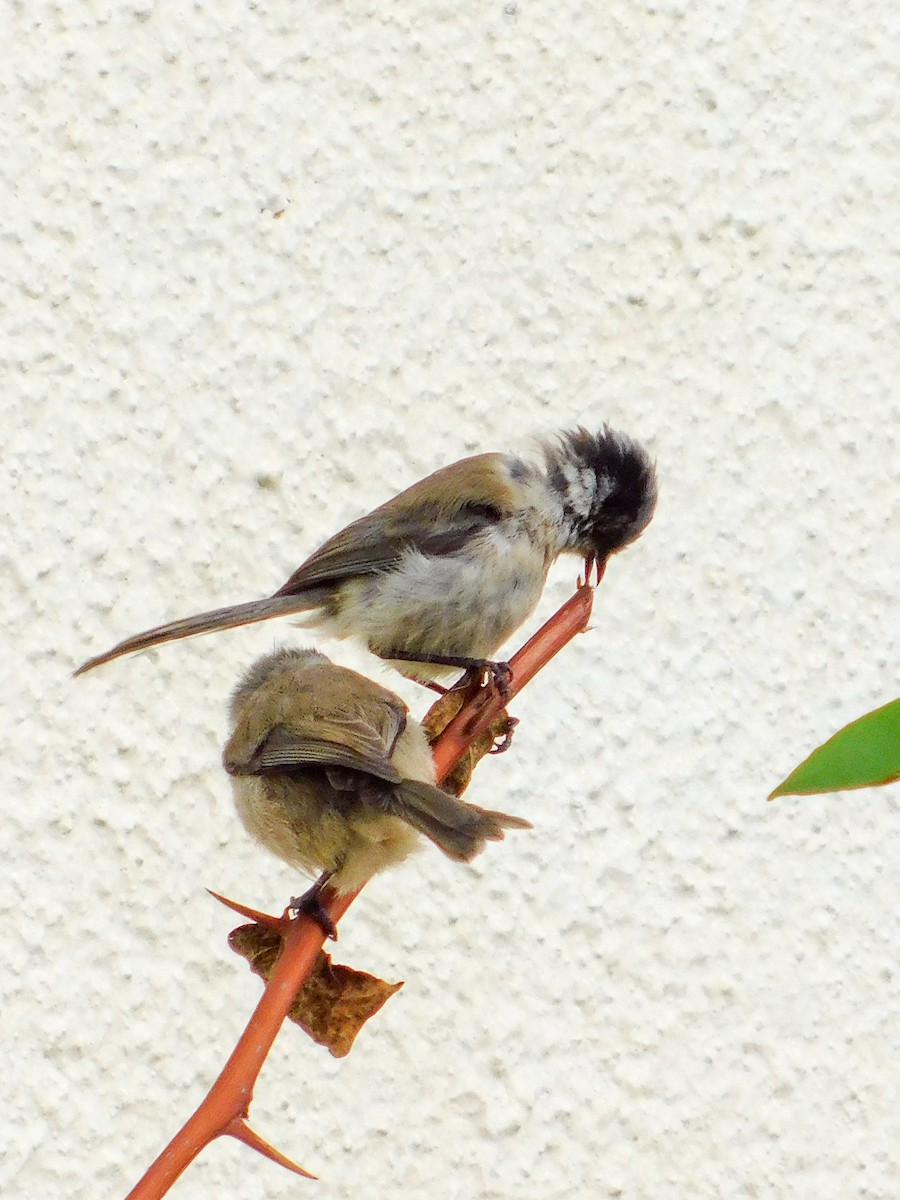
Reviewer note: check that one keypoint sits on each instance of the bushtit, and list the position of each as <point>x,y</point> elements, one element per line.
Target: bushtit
<point>331,774</point>
<point>444,573</point>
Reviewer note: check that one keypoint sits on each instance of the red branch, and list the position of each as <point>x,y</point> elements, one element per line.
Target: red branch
<point>224,1109</point>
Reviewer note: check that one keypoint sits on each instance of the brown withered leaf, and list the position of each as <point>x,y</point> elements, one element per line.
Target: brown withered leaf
<point>335,1001</point>
<point>439,717</point>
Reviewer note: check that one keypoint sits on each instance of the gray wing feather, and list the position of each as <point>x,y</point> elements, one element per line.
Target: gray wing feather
<point>376,542</point>
<point>283,750</point>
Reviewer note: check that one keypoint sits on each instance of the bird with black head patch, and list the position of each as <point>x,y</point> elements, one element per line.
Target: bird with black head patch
<point>331,774</point>
<point>439,577</point>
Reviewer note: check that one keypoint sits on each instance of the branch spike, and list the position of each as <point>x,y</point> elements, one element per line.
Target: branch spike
<point>260,918</point>
<point>238,1128</point>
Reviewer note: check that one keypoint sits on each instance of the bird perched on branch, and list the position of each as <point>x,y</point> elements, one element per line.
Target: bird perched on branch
<point>441,575</point>
<point>331,774</point>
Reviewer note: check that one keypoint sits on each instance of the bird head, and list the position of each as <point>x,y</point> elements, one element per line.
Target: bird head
<point>606,483</point>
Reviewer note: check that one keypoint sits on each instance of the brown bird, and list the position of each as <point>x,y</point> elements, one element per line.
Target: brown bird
<point>331,774</point>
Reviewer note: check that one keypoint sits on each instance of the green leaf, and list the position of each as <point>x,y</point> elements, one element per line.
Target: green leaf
<point>864,753</point>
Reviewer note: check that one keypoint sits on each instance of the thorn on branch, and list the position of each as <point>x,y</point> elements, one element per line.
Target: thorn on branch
<point>238,1128</point>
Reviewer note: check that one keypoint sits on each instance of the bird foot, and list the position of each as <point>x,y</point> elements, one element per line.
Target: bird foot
<point>311,906</point>
<point>487,673</point>
<point>504,736</point>
<point>499,673</point>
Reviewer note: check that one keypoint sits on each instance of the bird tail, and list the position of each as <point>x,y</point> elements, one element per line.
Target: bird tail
<point>456,827</point>
<point>219,618</point>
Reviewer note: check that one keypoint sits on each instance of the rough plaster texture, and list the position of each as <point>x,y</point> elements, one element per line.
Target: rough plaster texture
<point>264,264</point>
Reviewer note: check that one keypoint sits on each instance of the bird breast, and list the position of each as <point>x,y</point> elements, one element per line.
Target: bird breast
<point>464,604</point>
<point>306,824</point>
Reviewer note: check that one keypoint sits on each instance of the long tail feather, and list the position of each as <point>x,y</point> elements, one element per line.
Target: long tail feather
<point>457,828</point>
<point>218,618</point>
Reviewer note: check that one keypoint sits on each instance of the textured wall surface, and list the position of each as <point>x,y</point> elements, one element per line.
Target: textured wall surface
<point>263,264</point>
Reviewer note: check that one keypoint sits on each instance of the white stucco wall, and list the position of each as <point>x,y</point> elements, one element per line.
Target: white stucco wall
<point>265,264</point>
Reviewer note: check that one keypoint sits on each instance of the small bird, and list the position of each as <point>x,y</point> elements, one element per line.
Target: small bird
<point>331,774</point>
<point>441,575</point>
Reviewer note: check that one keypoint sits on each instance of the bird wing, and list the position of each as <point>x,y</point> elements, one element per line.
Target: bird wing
<point>356,744</point>
<point>435,516</point>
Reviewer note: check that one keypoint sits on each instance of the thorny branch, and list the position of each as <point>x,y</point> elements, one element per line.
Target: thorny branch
<point>225,1108</point>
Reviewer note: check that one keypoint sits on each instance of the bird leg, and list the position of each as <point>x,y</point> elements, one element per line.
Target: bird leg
<point>499,673</point>
<point>311,906</point>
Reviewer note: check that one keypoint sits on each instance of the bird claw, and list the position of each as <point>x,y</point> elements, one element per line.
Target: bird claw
<point>500,675</point>
<point>485,674</point>
<point>311,906</point>
<point>505,738</point>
